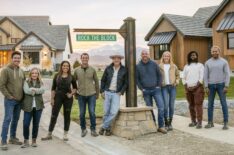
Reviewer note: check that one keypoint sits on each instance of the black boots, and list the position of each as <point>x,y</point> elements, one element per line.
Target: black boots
<point>225,126</point>
<point>170,128</point>
<point>168,125</point>
<point>192,124</point>
<point>209,125</point>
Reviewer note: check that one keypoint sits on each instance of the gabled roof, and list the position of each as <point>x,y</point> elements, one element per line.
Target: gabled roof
<point>187,25</point>
<point>7,34</point>
<point>39,37</point>
<point>216,12</point>
<point>2,19</point>
<point>54,35</point>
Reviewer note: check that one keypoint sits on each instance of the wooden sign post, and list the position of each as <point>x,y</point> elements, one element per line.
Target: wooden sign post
<point>127,31</point>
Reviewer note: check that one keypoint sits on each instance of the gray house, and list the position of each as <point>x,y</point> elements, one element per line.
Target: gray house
<point>44,44</point>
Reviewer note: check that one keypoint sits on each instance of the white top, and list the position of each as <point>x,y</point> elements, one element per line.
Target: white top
<point>34,103</point>
<point>192,74</point>
<point>113,85</point>
<point>166,68</point>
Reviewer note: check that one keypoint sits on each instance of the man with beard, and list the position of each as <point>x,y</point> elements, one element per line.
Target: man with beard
<point>217,79</point>
<point>192,80</point>
<point>11,85</point>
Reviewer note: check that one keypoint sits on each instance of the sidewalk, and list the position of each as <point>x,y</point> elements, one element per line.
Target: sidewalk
<point>100,145</point>
<point>216,133</point>
<point>56,146</point>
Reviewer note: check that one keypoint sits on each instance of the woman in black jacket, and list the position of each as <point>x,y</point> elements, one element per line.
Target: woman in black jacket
<point>62,95</point>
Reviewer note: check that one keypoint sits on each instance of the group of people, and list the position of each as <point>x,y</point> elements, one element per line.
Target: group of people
<point>156,81</point>
<point>159,82</point>
<point>26,94</point>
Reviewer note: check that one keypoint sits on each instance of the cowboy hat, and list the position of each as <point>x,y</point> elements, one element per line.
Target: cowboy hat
<point>116,55</point>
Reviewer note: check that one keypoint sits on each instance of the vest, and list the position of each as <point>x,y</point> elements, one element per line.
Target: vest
<point>28,99</point>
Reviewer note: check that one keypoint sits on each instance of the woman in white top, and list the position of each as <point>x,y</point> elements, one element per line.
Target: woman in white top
<point>170,79</point>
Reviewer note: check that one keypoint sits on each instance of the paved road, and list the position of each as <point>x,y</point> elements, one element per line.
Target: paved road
<point>56,146</point>
<point>76,145</point>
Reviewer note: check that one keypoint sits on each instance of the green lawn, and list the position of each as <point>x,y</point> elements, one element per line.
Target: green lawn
<point>99,105</point>
<point>98,112</point>
<point>180,94</point>
<point>99,74</point>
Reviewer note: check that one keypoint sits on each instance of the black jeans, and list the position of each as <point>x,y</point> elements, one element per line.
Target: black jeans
<point>60,100</point>
<point>28,116</point>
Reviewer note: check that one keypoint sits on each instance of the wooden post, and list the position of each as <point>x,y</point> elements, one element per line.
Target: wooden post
<point>127,31</point>
<point>130,61</point>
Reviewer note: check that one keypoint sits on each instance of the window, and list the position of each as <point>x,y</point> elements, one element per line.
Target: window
<point>159,49</point>
<point>231,40</point>
<point>15,40</point>
<point>34,56</point>
<point>0,40</point>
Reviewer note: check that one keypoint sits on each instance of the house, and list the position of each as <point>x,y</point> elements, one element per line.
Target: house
<point>222,24</point>
<point>44,44</point>
<point>180,35</point>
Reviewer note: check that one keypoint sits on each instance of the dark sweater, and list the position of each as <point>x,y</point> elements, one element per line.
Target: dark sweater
<point>148,75</point>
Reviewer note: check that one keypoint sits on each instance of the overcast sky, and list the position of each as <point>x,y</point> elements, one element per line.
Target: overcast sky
<point>104,13</point>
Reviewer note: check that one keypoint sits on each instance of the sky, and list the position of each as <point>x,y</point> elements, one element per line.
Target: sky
<point>103,14</point>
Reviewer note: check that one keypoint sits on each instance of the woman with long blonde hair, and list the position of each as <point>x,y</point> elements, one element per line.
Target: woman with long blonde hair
<point>170,79</point>
<point>32,105</point>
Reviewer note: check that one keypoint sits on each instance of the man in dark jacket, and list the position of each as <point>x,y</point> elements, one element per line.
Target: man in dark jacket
<point>149,81</point>
<point>113,85</point>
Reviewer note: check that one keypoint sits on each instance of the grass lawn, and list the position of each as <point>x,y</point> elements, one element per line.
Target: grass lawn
<point>99,74</point>
<point>99,105</point>
<point>181,94</point>
<point>98,112</point>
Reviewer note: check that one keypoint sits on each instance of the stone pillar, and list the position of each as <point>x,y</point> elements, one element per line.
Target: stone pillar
<point>132,122</point>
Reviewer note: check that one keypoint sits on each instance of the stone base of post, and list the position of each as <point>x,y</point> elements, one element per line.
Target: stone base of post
<point>132,122</point>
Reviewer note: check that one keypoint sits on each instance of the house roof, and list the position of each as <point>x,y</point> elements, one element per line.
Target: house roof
<point>187,25</point>
<point>6,47</point>
<point>216,12</point>
<point>54,35</point>
<point>162,38</point>
<point>1,29</point>
<point>36,35</point>
<point>227,23</point>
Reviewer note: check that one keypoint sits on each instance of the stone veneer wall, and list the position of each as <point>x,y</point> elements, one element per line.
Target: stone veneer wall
<point>133,122</point>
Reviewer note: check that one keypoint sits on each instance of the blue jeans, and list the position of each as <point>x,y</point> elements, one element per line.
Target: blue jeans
<point>28,116</point>
<point>156,94</point>
<point>213,88</point>
<point>111,108</point>
<point>12,114</point>
<point>91,101</point>
<point>169,96</point>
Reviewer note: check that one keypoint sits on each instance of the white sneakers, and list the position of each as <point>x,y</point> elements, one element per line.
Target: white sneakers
<point>65,136</point>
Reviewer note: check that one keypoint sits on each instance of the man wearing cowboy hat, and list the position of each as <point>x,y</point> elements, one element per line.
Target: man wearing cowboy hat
<point>113,85</point>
